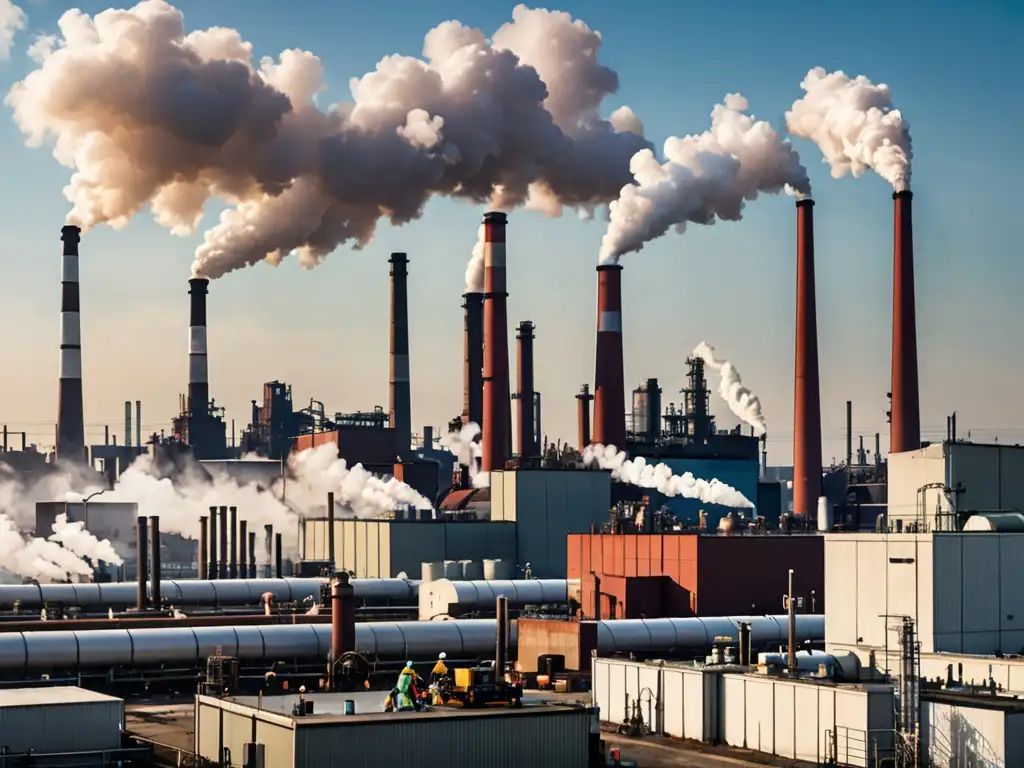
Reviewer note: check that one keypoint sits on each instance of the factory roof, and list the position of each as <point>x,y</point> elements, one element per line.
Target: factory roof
<point>66,694</point>
<point>462,497</point>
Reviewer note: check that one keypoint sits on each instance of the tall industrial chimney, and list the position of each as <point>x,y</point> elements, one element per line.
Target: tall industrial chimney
<point>609,376</point>
<point>849,434</point>
<point>212,564</point>
<point>905,432</point>
<point>202,555</point>
<point>527,436</point>
<point>154,555</point>
<point>138,426</point>
<point>142,560</point>
<point>127,423</point>
<point>222,570</point>
<point>268,531</point>
<point>807,403</point>
<point>70,414</point>
<point>400,405</point>
<point>497,402</point>
<point>473,369</point>
<point>233,550</point>
<point>583,400</point>
<point>252,556</point>
<point>198,370</point>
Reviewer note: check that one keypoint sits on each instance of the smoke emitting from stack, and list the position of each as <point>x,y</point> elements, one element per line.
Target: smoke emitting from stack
<point>70,410</point>
<point>198,368</point>
<point>806,391</point>
<point>609,373</point>
<point>741,400</point>
<point>400,394</point>
<point>497,401</point>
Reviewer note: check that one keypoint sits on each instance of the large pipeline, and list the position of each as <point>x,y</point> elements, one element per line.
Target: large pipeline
<point>451,598</point>
<point>476,638</point>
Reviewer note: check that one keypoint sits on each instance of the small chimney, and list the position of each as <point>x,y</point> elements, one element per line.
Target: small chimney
<point>70,414</point>
<point>233,554</point>
<point>473,369</point>
<point>343,622</point>
<point>807,403</point>
<point>400,406</point>
<point>501,636</point>
<point>905,434</point>
<point>243,554</point>
<point>497,402</point>
<point>203,554</point>
<point>278,559</point>
<point>849,434</point>
<point>128,423</point>
<point>154,554</point>
<point>268,531</point>
<point>198,369</point>
<point>525,395</point>
<point>222,570</point>
<point>609,377</point>
<point>583,400</point>
<point>330,529</point>
<point>138,426</point>
<point>142,558</point>
<point>212,564</point>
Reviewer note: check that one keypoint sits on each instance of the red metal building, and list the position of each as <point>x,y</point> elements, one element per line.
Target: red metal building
<point>683,574</point>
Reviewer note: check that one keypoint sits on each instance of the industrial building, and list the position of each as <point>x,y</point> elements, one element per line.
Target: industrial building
<point>689,574</point>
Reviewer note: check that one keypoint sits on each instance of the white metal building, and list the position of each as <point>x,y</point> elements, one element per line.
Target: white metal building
<point>62,720</point>
<point>796,719</point>
<point>979,731</point>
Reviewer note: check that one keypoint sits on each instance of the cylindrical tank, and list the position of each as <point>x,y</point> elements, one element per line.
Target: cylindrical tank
<point>432,571</point>
<point>824,514</point>
<point>495,570</point>
<point>453,570</point>
<point>472,570</point>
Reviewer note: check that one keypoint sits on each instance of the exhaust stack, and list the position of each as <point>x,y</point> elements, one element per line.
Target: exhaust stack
<point>583,400</point>
<point>609,377</point>
<point>142,558</point>
<point>252,554</point>
<point>905,434</point>
<point>202,556</point>
<point>70,413</point>
<point>243,554</point>
<point>807,403</point>
<point>233,551</point>
<point>222,570</point>
<point>528,447</point>
<point>212,564</point>
<point>278,559</point>
<point>400,406</point>
<point>496,401</point>
<point>268,531</point>
<point>138,426</point>
<point>154,554</point>
<point>127,423</point>
<point>473,369</point>
<point>198,369</point>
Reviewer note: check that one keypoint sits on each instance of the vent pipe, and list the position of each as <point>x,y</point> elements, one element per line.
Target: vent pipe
<point>496,400</point>
<point>609,377</point>
<point>525,395</point>
<point>142,558</point>
<point>343,621</point>
<point>138,426</point>
<point>278,560</point>
<point>233,552</point>
<point>400,405</point>
<point>154,555</point>
<point>222,571</point>
<point>243,554</point>
<point>252,554</point>
<point>268,531</point>
<point>212,565</point>
<point>473,368</point>
<point>198,370</point>
<point>330,529</point>
<point>70,414</point>
<point>807,403</point>
<point>202,556</point>
<point>905,432</point>
<point>128,423</point>
<point>501,637</point>
<point>849,434</point>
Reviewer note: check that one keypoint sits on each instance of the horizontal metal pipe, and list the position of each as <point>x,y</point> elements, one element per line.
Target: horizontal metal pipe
<point>444,597</point>
<point>475,638</point>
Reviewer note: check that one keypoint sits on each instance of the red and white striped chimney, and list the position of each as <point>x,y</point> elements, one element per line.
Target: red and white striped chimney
<point>807,402</point>
<point>497,424</point>
<point>70,411</point>
<point>905,430</point>
<point>609,376</point>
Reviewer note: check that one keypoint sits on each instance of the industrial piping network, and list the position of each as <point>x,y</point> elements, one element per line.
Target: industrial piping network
<point>199,592</point>
<point>475,638</point>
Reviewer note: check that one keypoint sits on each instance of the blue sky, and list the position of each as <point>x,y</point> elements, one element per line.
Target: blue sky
<point>955,71</point>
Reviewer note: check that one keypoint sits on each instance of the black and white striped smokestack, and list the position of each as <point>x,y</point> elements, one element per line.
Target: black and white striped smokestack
<point>70,414</point>
<point>400,397</point>
<point>198,370</point>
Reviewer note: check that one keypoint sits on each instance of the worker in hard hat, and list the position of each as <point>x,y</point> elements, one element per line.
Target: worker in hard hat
<point>440,669</point>
<point>405,694</point>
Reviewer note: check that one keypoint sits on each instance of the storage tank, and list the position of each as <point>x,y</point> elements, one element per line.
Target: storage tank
<point>472,570</point>
<point>431,572</point>
<point>453,570</point>
<point>824,514</point>
<point>495,570</point>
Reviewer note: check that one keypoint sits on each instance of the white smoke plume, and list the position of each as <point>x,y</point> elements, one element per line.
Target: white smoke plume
<point>742,402</point>
<point>74,538</point>
<point>705,178</point>
<point>12,21</point>
<point>511,121</point>
<point>465,444</point>
<point>475,268</point>
<point>855,125</point>
<point>661,478</point>
<point>36,558</point>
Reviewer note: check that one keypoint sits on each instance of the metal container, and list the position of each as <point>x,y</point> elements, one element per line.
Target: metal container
<point>432,572</point>
<point>497,569</point>
<point>453,570</point>
<point>472,570</point>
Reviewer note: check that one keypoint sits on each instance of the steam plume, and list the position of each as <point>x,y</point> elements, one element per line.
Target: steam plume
<point>704,178</point>
<point>37,558</point>
<point>744,403</point>
<point>465,444</point>
<point>12,21</point>
<point>74,538</point>
<point>660,477</point>
<point>855,125</point>
<point>475,268</point>
<point>510,121</point>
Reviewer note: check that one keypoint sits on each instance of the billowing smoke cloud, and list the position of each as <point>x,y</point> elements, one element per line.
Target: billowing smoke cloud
<point>705,178</point>
<point>855,125</point>
<point>35,558</point>
<point>465,444</point>
<point>475,268</point>
<point>12,21</point>
<point>661,478</point>
<point>512,121</point>
<point>74,538</point>
<point>744,403</point>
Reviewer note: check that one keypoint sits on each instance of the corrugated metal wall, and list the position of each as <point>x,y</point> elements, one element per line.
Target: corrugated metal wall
<point>62,727</point>
<point>496,739</point>
<point>221,724</point>
<point>954,736</point>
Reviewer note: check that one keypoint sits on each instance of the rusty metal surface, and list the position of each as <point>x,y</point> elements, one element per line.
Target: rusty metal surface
<point>806,403</point>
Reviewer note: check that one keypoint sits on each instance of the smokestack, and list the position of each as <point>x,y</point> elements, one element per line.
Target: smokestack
<point>222,570</point>
<point>343,623</point>
<point>202,555</point>
<point>233,552</point>
<point>527,438</point>
<point>905,434</point>
<point>583,416</point>
<point>330,529</point>
<point>243,555</point>
<point>653,426</point>
<point>268,531</point>
<point>791,616</point>
<point>473,369</point>
<point>252,554</point>
<point>128,423</point>
<point>278,561</point>
<point>400,405</point>
<point>154,554</point>
<point>497,403</point>
<point>878,449</point>
<point>198,370</point>
<point>213,544</point>
<point>609,377</point>
<point>807,403</point>
<point>952,427</point>
<point>501,636</point>
<point>70,415</point>
<point>138,425</point>
<point>142,557</point>
<point>849,433</point>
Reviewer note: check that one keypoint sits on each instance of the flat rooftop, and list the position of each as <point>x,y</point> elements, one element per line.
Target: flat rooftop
<point>51,695</point>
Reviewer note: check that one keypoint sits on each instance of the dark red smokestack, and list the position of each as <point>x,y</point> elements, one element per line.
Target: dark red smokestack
<point>905,432</point>
<point>807,402</point>
<point>401,407</point>
<point>527,439</point>
<point>583,400</point>
<point>473,369</point>
<point>610,376</point>
<point>497,402</point>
